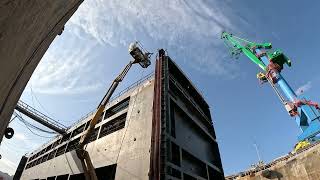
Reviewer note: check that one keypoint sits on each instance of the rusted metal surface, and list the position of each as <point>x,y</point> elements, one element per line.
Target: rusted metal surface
<point>154,173</point>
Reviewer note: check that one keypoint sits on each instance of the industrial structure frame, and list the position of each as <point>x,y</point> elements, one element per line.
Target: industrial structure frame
<point>154,137</point>
<point>306,112</point>
<point>171,144</point>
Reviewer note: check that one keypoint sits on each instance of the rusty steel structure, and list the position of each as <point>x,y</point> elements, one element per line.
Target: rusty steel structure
<point>180,112</point>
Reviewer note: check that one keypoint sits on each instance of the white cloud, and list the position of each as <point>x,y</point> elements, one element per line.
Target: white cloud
<point>67,68</point>
<point>303,88</point>
<point>23,141</point>
<point>114,22</point>
<point>7,166</point>
<point>20,136</point>
<point>188,27</point>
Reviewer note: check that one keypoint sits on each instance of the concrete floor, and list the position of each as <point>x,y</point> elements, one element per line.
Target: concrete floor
<point>27,28</point>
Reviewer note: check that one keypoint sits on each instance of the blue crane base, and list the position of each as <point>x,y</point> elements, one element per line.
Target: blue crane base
<point>307,114</point>
<point>309,122</point>
<point>308,118</point>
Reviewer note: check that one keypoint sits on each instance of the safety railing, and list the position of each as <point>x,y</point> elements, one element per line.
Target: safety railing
<point>274,162</point>
<point>40,115</point>
<point>127,89</point>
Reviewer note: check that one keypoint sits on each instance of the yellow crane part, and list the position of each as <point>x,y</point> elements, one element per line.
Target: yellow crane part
<point>262,77</point>
<point>139,57</point>
<point>301,145</point>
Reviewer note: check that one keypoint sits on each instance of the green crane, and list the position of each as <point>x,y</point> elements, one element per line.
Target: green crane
<point>306,112</point>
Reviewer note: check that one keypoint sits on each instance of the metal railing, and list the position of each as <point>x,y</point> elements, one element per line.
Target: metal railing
<point>22,106</point>
<point>127,89</point>
<point>274,162</point>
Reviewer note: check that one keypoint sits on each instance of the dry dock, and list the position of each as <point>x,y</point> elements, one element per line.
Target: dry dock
<point>303,165</point>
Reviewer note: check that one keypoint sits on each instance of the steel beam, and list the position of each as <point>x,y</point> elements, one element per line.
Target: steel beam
<point>40,118</point>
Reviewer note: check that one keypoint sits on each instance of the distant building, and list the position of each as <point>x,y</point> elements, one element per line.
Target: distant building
<point>160,128</point>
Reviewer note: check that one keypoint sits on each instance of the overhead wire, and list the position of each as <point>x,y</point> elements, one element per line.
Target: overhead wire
<point>36,50</point>
<point>37,128</point>
<point>36,98</point>
<point>28,125</point>
<point>33,104</point>
<point>15,116</point>
<point>141,46</point>
<point>38,134</point>
<point>22,124</point>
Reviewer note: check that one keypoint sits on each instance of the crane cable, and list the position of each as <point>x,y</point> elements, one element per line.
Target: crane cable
<point>243,39</point>
<point>283,101</point>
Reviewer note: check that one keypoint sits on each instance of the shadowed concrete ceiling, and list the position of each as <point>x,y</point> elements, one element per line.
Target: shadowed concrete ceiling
<point>27,28</point>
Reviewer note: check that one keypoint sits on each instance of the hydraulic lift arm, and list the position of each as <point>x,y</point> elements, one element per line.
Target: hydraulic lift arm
<point>143,58</point>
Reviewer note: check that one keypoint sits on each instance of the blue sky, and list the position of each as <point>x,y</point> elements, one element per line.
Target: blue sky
<point>81,63</point>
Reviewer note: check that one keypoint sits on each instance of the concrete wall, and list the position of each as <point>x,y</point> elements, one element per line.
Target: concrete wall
<point>129,147</point>
<point>304,166</point>
<point>27,28</point>
<point>134,157</point>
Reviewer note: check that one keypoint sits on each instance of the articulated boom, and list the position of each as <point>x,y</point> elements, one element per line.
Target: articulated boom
<point>141,57</point>
<point>306,112</point>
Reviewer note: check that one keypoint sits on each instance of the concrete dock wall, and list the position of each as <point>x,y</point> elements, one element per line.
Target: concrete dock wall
<point>303,166</point>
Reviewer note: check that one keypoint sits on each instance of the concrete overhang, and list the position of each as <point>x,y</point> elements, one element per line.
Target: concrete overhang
<point>27,28</point>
